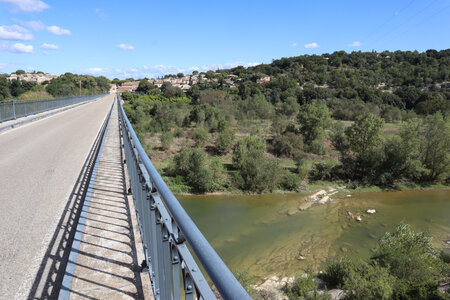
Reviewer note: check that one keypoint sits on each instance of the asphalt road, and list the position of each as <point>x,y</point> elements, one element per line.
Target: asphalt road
<point>39,165</point>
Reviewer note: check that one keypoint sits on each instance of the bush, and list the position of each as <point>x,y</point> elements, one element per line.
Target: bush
<point>290,181</point>
<point>200,136</point>
<point>368,281</point>
<point>316,147</point>
<point>258,174</point>
<point>305,287</point>
<point>192,165</point>
<point>287,144</point>
<point>166,139</point>
<point>336,272</point>
<point>179,132</point>
<point>224,141</point>
<point>248,146</point>
<point>322,171</point>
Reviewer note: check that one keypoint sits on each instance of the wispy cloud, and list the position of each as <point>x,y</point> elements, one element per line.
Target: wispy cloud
<point>125,47</point>
<point>15,33</point>
<point>355,44</point>
<point>27,5</point>
<point>56,30</point>
<point>161,70</point>
<point>35,25</point>
<point>311,45</point>
<point>49,46</point>
<point>294,45</point>
<point>16,48</point>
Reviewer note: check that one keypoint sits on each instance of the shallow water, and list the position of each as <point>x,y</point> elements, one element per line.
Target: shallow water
<point>259,235</point>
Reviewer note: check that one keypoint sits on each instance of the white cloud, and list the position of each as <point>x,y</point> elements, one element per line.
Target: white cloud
<point>161,70</point>
<point>35,25</point>
<point>312,45</point>
<point>96,71</point>
<point>27,5</point>
<point>15,33</point>
<point>355,44</point>
<point>125,47</point>
<point>16,48</point>
<point>294,45</point>
<point>49,46</point>
<point>56,30</point>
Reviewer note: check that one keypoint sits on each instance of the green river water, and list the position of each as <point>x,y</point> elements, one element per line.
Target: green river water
<point>260,235</point>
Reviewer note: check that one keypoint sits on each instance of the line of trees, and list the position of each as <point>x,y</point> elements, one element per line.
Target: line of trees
<point>65,85</point>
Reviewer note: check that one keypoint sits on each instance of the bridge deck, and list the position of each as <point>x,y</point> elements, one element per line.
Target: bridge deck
<point>103,262</point>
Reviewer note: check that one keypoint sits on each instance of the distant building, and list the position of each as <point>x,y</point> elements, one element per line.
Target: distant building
<point>263,79</point>
<point>130,86</point>
<point>35,77</point>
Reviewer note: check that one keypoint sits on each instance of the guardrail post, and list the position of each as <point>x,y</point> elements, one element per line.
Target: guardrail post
<point>14,109</point>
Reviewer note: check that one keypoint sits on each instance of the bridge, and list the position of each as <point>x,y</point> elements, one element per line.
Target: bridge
<point>85,214</point>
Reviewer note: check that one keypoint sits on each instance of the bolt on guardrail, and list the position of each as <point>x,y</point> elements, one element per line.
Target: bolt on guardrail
<point>166,227</point>
<point>13,109</point>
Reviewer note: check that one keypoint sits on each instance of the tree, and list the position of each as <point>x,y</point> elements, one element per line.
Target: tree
<point>4,90</point>
<point>200,136</point>
<point>313,119</point>
<point>435,146</point>
<point>192,165</point>
<point>20,72</point>
<point>144,86</point>
<point>224,141</point>
<point>246,147</point>
<point>180,75</point>
<point>365,144</point>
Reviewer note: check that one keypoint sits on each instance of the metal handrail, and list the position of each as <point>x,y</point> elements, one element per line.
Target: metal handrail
<point>164,230</point>
<point>13,109</point>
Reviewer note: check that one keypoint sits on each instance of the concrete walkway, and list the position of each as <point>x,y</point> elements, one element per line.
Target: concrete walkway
<point>103,262</point>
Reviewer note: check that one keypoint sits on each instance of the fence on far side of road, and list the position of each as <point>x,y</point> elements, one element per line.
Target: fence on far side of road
<point>13,109</point>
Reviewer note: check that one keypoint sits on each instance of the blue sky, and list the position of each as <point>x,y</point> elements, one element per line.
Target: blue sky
<point>151,38</point>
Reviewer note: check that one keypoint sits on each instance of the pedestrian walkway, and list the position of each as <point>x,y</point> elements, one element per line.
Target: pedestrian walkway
<point>103,261</point>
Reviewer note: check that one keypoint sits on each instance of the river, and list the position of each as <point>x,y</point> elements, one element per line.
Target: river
<point>259,234</point>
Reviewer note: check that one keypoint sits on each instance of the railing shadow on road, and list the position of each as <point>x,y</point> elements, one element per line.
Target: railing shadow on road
<point>50,274</point>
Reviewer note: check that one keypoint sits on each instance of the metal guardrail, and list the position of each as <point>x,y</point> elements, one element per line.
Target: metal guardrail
<point>165,226</point>
<point>13,109</point>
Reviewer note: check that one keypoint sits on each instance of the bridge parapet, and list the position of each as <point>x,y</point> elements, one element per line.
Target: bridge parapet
<point>165,227</point>
<point>13,109</point>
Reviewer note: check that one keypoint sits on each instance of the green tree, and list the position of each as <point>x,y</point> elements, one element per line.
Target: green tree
<point>192,165</point>
<point>224,141</point>
<point>200,136</point>
<point>166,139</point>
<point>313,119</point>
<point>144,86</point>
<point>435,146</point>
<point>365,143</point>
<point>248,146</point>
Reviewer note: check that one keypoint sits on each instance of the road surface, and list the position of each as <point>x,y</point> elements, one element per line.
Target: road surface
<point>39,166</point>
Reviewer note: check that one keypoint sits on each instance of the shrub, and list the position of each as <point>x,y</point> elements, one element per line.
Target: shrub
<point>287,144</point>
<point>316,147</point>
<point>290,181</point>
<point>337,271</point>
<point>179,132</point>
<point>200,136</point>
<point>192,165</point>
<point>249,146</point>
<point>166,139</point>
<point>322,171</point>
<point>258,174</point>
<point>304,287</point>
<point>224,141</point>
<point>368,281</point>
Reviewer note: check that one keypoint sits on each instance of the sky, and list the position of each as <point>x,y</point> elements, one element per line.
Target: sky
<point>151,38</point>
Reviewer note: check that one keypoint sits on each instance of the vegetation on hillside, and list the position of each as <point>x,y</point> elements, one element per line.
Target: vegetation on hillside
<point>359,118</point>
<point>65,85</point>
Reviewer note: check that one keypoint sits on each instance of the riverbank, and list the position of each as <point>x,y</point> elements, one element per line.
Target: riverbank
<point>317,186</point>
<point>260,235</point>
